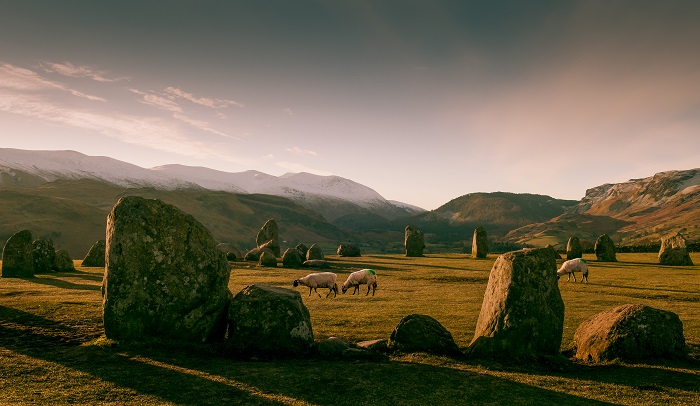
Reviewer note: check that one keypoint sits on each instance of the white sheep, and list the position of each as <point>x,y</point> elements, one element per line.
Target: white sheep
<point>319,280</point>
<point>574,265</point>
<point>362,277</point>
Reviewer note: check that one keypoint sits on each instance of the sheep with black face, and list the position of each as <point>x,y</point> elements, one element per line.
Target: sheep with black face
<point>362,277</point>
<point>319,280</point>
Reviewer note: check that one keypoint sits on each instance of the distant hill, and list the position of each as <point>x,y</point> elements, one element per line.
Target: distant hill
<point>73,213</point>
<point>636,212</point>
<point>498,213</point>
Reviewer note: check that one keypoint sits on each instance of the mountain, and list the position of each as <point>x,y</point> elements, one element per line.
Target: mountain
<point>636,212</point>
<point>332,196</point>
<point>73,213</point>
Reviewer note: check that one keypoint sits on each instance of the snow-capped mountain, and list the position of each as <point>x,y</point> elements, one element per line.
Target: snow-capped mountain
<point>333,196</point>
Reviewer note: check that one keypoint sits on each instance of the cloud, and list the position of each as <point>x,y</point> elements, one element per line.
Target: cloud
<point>203,101</point>
<point>21,79</point>
<point>297,167</point>
<point>299,151</point>
<point>68,69</point>
<point>288,111</point>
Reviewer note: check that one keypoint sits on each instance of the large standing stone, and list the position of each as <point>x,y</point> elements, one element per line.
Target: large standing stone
<point>349,250</point>
<point>269,236</point>
<point>303,249</point>
<point>674,252</point>
<point>631,333</point>
<point>96,255</point>
<point>63,262</point>
<point>314,252</point>
<point>164,276</point>
<point>292,258</point>
<point>522,313</point>
<point>268,321</point>
<point>422,333</point>
<point>574,249</point>
<point>17,259</point>
<point>43,255</point>
<point>554,251</point>
<point>605,249</point>
<point>480,243</point>
<point>256,253</point>
<point>413,241</point>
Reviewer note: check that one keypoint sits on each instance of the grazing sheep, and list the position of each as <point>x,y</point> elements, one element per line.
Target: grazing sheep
<point>574,265</point>
<point>319,280</point>
<point>362,277</point>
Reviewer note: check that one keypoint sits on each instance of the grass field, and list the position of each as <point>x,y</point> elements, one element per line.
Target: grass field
<point>52,352</point>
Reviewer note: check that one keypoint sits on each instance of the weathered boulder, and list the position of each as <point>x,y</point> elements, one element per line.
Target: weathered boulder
<point>554,251</point>
<point>303,249</point>
<point>314,252</point>
<point>269,322</point>
<point>255,253</point>
<point>292,258</point>
<point>349,250</point>
<point>96,255</point>
<point>413,241</point>
<point>422,333</point>
<point>43,255</point>
<point>522,313</point>
<point>63,262</point>
<point>674,252</point>
<point>17,259</point>
<point>232,252</point>
<point>605,249</point>
<point>315,263</point>
<point>630,333</point>
<point>480,243</point>
<point>337,348</point>
<point>268,259</point>
<point>164,276</point>
<point>574,249</point>
<point>269,236</point>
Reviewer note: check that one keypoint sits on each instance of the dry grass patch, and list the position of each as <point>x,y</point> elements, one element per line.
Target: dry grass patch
<point>52,350</point>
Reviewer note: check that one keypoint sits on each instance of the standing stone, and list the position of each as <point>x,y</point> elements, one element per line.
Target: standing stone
<point>554,251</point>
<point>630,333</point>
<point>674,252</point>
<point>292,258</point>
<point>17,259</point>
<point>349,250</point>
<point>605,249</point>
<point>269,322</point>
<point>480,243</point>
<point>522,313</point>
<point>268,259</point>
<point>164,276</point>
<point>574,249</point>
<point>414,241</point>
<point>269,236</point>
<point>96,256</point>
<point>43,255</point>
<point>314,252</point>
<point>256,253</point>
<point>422,333</point>
<point>63,262</point>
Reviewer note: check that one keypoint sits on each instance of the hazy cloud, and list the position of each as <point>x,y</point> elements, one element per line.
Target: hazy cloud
<point>68,69</point>
<point>203,101</point>
<point>300,151</point>
<point>18,78</point>
<point>288,111</point>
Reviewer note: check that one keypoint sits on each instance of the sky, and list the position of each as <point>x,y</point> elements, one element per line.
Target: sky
<point>422,101</point>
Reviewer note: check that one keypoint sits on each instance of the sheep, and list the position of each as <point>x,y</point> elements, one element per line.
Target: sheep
<point>362,277</point>
<point>574,265</point>
<point>319,280</point>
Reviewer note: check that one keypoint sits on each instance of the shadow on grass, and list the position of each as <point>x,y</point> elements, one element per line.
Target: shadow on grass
<point>59,283</point>
<point>190,374</point>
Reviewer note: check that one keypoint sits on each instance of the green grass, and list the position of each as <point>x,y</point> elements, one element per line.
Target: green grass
<point>52,350</point>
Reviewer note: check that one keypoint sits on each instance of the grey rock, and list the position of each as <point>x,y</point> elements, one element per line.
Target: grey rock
<point>480,243</point>
<point>574,249</point>
<point>413,241</point>
<point>422,333</point>
<point>292,258</point>
<point>674,252</point>
<point>349,250</point>
<point>605,249</point>
<point>63,262</point>
<point>43,255</point>
<point>314,252</point>
<point>96,256</point>
<point>17,261</point>
<point>269,236</point>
